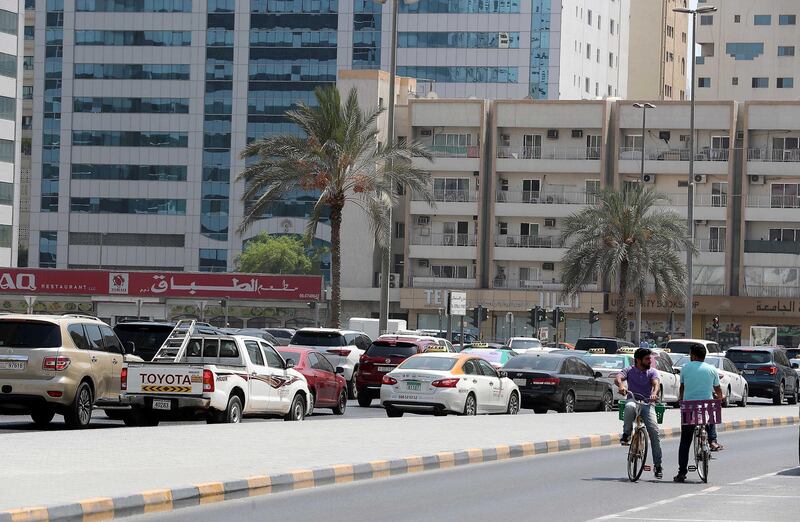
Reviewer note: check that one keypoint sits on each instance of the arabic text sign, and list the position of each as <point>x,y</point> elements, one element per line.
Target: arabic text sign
<point>160,284</point>
<point>458,303</point>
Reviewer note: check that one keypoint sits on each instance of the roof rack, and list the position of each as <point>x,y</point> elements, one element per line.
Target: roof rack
<point>80,316</point>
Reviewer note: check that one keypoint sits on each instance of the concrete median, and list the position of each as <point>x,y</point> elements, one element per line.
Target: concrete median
<point>414,445</point>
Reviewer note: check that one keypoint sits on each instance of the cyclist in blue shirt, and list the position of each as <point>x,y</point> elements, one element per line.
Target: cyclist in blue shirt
<point>699,382</point>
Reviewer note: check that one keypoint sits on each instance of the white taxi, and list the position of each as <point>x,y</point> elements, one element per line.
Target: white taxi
<point>442,383</point>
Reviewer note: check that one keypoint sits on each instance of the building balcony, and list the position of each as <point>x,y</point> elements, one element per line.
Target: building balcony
<point>443,246</point>
<point>526,284</point>
<point>773,162</point>
<point>529,248</point>
<point>772,208</point>
<point>771,291</point>
<point>710,245</point>
<point>761,246</point>
<point>446,240</point>
<point>549,159</point>
<point>539,203</point>
<point>442,282</point>
<point>449,202</point>
<point>673,161</point>
<point>706,206</point>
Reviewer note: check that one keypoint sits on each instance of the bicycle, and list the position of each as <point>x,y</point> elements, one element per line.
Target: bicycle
<point>640,441</point>
<point>699,414</point>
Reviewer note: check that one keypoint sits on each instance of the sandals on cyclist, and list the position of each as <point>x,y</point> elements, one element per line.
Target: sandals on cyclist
<point>715,446</point>
<point>680,477</point>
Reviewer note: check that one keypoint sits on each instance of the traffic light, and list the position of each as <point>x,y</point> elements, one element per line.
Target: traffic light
<point>311,305</point>
<point>533,313</point>
<point>484,313</point>
<point>557,316</point>
<point>594,316</point>
<point>715,322</point>
<point>479,315</point>
<point>541,315</point>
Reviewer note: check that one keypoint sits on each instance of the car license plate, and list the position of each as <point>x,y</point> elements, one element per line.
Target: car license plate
<point>521,382</point>
<point>748,372</point>
<point>414,385</point>
<point>385,368</point>
<point>162,404</point>
<point>12,365</point>
<point>407,397</point>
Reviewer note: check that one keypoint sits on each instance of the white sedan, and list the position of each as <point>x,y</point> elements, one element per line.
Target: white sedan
<point>442,383</point>
<point>524,344</point>
<point>734,386</point>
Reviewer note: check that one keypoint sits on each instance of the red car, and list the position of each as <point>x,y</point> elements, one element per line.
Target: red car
<point>383,355</point>
<point>328,389</point>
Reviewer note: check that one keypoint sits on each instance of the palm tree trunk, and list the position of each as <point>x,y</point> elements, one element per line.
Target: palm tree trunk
<point>336,265</point>
<point>621,325</point>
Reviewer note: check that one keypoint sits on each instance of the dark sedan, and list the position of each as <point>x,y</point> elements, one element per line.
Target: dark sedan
<point>562,382</point>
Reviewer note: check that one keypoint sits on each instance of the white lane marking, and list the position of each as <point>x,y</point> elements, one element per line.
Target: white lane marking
<point>750,495</point>
<point>683,519</point>
<point>621,514</point>
<point>753,479</point>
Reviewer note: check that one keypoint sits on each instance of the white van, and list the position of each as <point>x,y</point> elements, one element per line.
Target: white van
<point>370,326</point>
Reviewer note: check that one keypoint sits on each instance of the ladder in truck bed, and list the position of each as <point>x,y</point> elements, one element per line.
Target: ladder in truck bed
<point>174,347</point>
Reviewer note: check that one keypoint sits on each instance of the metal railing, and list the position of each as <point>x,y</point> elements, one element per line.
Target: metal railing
<point>431,281</point>
<point>546,197</point>
<point>700,200</point>
<point>710,245</point>
<point>528,284</point>
<point>549,153</point>
<point>762,246</point>
<point>528,241</point>
<point>774,155</point>
<point>453,151</point>
<point>771,291</point>
<point>767,201</point>
<point>654,154</point>
<point>443,239</point>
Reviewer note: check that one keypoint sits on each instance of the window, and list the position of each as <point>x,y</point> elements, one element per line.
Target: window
<point>599,21</point>
<point>134,6</point>
<point>487,369</point>
<point>760,83</point>
<point>704,82</point>
<point>47,248</point>
<point>586,81</point>
<point>27,92</point>
<point>29,32</point>
<point>785,83</point>
<point>706,19</point>
<point>254,353</point>
<point>787,19</point>
<point>273,359</point>
<point>669,57</point>
<point>8,108</point>
<point>6,193</point>
<point>129,172</point>
<point>8,22</point>
<point>735,80</point>
<point>97,205</point>
<point>529,273</point>
<point>134,38</point>
<point>716,239</point>
<point>99,138</point>
<point>786,50</point>
<point>588,51</point>
<point>610,62</point>
<point>719,194</point>
<point>502,228</point>
<point>78,336</point>
<point>737,19</point>
<point>450,271</point>
<point>110,340</point>
<point>589,16</point>
<point>8,65</point>
<point>451,189</point>
<point>453,40</point>
<point>131,105</point>
<point>459,74</point>
<point>668,91</point>
<point>213,260</point>
<point>130,71</point>
<point>670,31</point>
<point>683,37</point>
<point>784,195</point>
<point>744,51</point>
<point>399,230</point>
<point>94,336</point>
<point>598,56</point>
<point>762,20</point>
<point>611,26</point>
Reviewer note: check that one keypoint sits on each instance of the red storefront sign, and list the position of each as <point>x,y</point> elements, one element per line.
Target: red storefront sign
<point>37,281</point>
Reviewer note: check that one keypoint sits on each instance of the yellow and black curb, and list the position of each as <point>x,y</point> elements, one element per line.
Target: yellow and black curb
<point>106,508</point>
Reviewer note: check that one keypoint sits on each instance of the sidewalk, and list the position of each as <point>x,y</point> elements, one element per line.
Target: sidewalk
<point>52,468</point>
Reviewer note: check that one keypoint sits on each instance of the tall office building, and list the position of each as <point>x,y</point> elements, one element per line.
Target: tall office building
<point>657,66</point>
<point>11,31</point>
<point>747,51</point>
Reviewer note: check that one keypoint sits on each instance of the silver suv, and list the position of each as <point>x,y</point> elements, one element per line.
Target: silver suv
<point>65,364</point>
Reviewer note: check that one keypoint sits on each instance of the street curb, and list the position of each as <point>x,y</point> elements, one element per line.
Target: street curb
<point>106,508</point>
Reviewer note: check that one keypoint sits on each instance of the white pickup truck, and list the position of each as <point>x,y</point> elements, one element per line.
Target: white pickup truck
<point>219,378</point>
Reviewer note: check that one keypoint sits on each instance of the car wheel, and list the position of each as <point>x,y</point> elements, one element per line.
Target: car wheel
<point>393,412</point>
<point>607,404</point>
<point>780,392</point>
<point>364,399</point>
<point>42,416</point>
<point>727,400</point>
<point>341,406</point>
<point>792,399</point>
<point>297,411</point>
<point>470,405</point>
<point>79,413</point>
<point>540,410</point>
<point>743,402</point>
<point>352,391</point>
<point>513,404</point>
<point>568,405</point>
<point>233,413</point>
<point>312,398</point>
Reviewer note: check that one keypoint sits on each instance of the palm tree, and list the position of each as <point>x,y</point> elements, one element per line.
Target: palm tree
<point>624,239</point>
<point>337,153</point>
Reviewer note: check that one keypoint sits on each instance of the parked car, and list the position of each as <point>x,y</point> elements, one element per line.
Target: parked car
<point>609,365</point>
<point>497,357</point>
<point>566,383</point>
<point>682,346</point>
<point>733,384</point>
<point>441,342</point>
<point>67,364</point>
<point>608,345</point>
<point>767,371</point>
<point>523,344</point>
<point>219,378</point>
<point>328,389</point>
<point>254,332</point>
<point>383,356</point>
<point>669,378</point>
<point>283,335</point>
<point>442,383</point>
<point>342,348</point>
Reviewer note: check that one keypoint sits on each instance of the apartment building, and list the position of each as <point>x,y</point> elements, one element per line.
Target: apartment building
<point>747,51</point>
<point>657,63</point>
<point>11,38</point>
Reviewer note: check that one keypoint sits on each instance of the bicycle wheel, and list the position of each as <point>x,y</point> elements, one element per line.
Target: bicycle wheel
<point>637,454</point>
<point>701,454</point>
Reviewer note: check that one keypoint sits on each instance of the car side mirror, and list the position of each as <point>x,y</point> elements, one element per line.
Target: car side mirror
<point>131,349</point>
<point>339,369</point>
<point>289,364</point>
<point>502,374</point>
<point>597,375</point>
<point>677,370</point>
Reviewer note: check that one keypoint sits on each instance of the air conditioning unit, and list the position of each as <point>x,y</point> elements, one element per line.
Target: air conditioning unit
<point>740,136</point>
<point>552,134</point>
<point>476,173</point>
<point>756,180</point>
<point>664,135</point>
<point>394,280</point>
<point>649,178</point>
<point>503,41</point>
<point>700,178</point>
<point>549,267</point>
<point>424,263</point>
<point>577,133</point>
<point>425,132</point>
<point>550,222</point>
<point>423,221</point>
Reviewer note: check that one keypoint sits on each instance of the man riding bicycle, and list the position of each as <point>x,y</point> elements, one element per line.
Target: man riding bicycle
<point>698,381</point>
<point>643,382</point>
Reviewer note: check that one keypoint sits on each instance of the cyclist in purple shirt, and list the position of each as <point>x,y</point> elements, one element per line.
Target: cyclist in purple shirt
<point>643,382</point>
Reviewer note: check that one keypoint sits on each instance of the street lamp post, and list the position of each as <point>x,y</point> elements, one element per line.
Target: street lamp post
<point>644,107</point>
<point>386,255</point>
<point>690,188</point>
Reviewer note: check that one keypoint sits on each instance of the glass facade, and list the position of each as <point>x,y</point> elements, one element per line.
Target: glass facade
<point>131,105</point>
<point>128,206</point>
<point>51,119</point>
<point>460,74</point>
<point>745,51</point>
<point>48,240</point>
<point>140,38</point>
<point>129,139</point>
<point>134,6</point>
<point>131,71</point>
<point>213,260</point>
<point>6,193</point>
<point>367,34</point>
<point>129,172</point>
<point>8,65</point>
<point>8,22</point>
<point>8,108</point>
<point>459,39</point>
<point>462,6</point>
<point>540,49</point>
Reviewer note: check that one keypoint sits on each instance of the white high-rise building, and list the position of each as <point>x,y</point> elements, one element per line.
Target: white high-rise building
<point>748,51</point>
<point>11,31</point>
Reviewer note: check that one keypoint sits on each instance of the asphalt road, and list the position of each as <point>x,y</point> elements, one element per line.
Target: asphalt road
<point>755,479</point>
